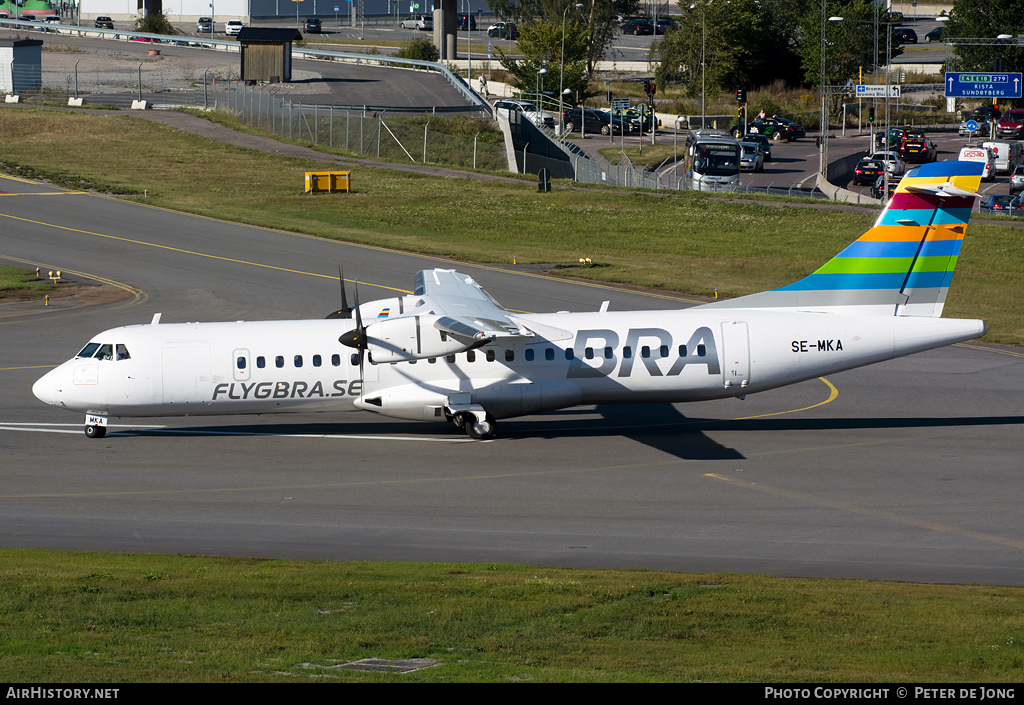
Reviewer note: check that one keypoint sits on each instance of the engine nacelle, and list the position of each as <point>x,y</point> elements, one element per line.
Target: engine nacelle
<point>406,401</point>
<point>409,338</point>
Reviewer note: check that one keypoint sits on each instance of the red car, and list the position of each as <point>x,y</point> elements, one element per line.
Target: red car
<point>1011,124</point>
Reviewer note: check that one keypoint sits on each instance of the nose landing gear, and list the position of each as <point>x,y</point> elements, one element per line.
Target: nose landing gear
<point>478,427</point>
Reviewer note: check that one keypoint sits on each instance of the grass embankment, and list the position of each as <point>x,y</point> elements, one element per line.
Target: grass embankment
<point>15,281</point>
<point>81,617</point>
<point>687,242</point>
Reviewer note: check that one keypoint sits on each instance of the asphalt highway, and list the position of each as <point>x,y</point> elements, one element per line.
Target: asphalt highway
<point>907,470</point>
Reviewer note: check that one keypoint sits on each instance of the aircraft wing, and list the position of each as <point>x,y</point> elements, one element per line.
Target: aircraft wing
<point>465,310</point>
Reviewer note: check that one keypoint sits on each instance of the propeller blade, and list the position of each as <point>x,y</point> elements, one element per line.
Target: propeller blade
<point>344,311</point>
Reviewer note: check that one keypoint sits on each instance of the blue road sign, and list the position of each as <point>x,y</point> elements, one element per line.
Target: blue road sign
<point>971,125</point>
<point>983,85</point>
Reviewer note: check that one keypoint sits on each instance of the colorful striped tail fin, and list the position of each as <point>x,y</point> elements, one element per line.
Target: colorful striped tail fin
<point>902,266</point>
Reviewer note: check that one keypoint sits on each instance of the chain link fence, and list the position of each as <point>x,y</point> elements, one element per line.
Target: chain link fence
<point>359,129</point>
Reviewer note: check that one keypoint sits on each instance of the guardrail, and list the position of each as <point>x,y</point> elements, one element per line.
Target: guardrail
<point>232,46</point>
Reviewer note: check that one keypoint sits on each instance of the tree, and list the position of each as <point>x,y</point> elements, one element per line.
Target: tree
<point>540,43</point>
<point>986,20</point>
<point>845,42</point>
<point>600,19</point>
<point>419,49</point>
<point>725,33</point>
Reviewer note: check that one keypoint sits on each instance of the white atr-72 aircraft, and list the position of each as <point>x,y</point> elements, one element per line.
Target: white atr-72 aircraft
<point>450,352</point>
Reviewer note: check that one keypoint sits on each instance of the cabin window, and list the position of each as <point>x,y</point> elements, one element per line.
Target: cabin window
<point>450,359</point>
<point>89,350</point>
<point>627,351</point>
<point>608,353</point>
<point>336,360</point>
<point>701,351</point>
<point>261,362</point>
<point>490,356</point>
<point>298,360</point>
<point>317,361</point>
<point>529,354</point>
<point>431,360</point>
<point>645,351</point>
<point>122,352</point>
<point>279,361</point>
<point>569,354</point>
<point>354,359</point>
<point>549,354</point>
<point>589,353</point>
<point>106,352</point>
<point>471,356</point>
<point>663,351</point>
<point>240,362</point>
<point>510,355</point>
<point>682,351</point>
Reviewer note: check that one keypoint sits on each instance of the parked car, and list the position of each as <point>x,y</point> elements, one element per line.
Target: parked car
<point>878,188</point>
<point>312,26</point>
<point>423,23</point>
<point>916,147</point>
<point>637,26</point>
<point>894,17</point>
<point>462,22</point>
<point>934,36</point>
<point>587,120</point>
<point>904,35</point>
<point>893,164</point>
<point>867,171</point>
<point>233,27</point>
<point>529,111</point>
<point>766,145</point>
<point>503,30</point>
<point>665,24</point>
<point>103,23</point>
<point>1011,124</point>
<point>1007,205</point>
<point>204,25</point>
<point>51,19</point>
<point>1017,180</point>
<point>751,157</point>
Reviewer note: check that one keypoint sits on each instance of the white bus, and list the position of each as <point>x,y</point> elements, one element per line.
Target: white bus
<point>712,160</point>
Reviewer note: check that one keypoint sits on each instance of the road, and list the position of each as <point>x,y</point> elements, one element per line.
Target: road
<point>906,470</point>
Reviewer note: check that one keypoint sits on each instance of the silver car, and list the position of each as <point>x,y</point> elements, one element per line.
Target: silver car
<point>1017,180</point>
<point>751,157</point>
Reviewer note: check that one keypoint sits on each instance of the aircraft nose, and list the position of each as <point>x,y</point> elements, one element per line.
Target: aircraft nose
<point>43,388</point>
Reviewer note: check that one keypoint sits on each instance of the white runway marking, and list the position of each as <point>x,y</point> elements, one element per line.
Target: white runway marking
<point>78,429</point>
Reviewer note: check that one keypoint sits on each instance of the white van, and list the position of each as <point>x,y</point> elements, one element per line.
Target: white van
<point>980,154</point>
<point>1007,154</point>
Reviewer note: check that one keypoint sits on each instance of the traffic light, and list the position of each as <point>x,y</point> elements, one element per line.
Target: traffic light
<point>650,88</point>
<point>871,114</point>
<point>741,95</point>
<point>994,112</point>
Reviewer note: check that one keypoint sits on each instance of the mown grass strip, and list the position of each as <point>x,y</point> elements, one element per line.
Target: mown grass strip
<point>88,617</point>
<point>683,242</point>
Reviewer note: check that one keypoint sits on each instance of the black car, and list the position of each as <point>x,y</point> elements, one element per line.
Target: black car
<point>904,35</point>
<point>103,23</point>
<point>879,185</point>
<point>766,144</point>
<point>665,24</point>
<point>868,171</point>
<point>935,35</point>
<point>771,128</point>
<point>594,121</point>
<point>462,22</point>
<point>798,130</point>
<point>637,26</point>
<point>1007,205</point>
<point>312,25</point>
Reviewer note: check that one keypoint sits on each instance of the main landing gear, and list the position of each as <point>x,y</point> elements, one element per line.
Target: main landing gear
<point>474,427</point>
<point>95,431</point>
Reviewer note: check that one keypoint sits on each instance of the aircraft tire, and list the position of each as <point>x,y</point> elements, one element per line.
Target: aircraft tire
<point>481,430</point>
<point>95,431</point>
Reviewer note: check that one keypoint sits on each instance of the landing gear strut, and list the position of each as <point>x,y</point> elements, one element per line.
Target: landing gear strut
<point>475,428</point>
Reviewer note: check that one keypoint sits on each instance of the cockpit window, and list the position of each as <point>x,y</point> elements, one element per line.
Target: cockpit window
<point>122,352</point>
<point>89,350</point>
<point>106,352</point>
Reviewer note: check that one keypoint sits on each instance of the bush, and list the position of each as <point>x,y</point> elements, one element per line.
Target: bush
<point>419,49</point>
<point>155,24</point>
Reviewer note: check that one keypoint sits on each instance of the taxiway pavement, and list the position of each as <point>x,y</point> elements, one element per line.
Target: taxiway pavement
<point>910,470</point>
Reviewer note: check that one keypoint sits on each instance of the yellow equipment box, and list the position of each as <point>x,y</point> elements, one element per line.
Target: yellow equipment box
<point>327,181</point>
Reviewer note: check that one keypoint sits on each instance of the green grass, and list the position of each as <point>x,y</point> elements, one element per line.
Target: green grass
<point>687,242</point>
<point>93,617</point>
<point>18,279</point>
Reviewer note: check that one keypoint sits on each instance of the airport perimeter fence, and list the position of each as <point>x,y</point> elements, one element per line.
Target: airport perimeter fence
<point>361,129</point>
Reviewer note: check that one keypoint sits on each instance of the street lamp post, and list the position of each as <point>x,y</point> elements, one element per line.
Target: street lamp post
<point>561,72</point>
<point>703,37</point>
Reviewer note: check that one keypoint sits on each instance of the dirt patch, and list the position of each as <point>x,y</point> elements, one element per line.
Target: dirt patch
<point>23,302</point>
